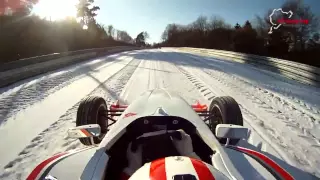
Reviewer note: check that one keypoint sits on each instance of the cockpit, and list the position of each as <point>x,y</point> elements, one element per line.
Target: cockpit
<point>154,134</point>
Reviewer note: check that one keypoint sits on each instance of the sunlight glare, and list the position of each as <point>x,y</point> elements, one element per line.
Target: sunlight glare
<point>85,27</point>
<point>55,9</point>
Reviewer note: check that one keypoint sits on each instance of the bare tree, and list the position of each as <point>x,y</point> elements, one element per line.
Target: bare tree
<point>217,22</point>
<point>261,25</point>
<point>169,31</point>
<point>146,35</point>
<point>200,24</point>
<point>101,30</point>
<point>111,31</point>
<point>124,36</point>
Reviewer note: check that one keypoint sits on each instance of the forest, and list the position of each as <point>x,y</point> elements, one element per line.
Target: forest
<point>24,35</point>
<point>299,42</point>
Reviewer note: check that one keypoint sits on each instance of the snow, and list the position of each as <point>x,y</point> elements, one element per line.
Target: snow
<point>282,115</point>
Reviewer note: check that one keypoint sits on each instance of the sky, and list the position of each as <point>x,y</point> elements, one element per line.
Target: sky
<point>135,16</point>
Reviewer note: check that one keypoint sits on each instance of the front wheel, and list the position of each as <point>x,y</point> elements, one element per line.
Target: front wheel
<point>225,110</point>
<point>93,110</point>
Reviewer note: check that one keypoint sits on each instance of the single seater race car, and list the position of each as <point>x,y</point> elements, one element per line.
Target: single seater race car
<point>151,125</point>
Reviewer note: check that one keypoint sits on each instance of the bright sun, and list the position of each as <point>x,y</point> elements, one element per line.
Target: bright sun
<point>55,9</point>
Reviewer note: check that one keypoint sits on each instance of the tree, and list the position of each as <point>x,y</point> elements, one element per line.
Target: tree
<point>124,36</point>
<point>261,25</point>
<point>146,35</point>
<point>313,43</point>
<point>296,43</point>
<point>301,32</point>
<point>111,31</point>
<point>245,39</point>
<point>170,30</point>
<point>9,7</point>
<point>287,41</point>
<point>200,29</point>
<point>101,31</point>
<point>277,44</point>
<point>200,24</point>
<point>87,12</point>
<point>38,36</point>
<point>217,22</point>
<point>141,38</point>
<point>237,26</point>
<point>247,25</point>
<point>140,41</point>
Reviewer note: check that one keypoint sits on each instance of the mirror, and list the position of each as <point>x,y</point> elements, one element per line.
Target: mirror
<point>90,130</point>
<point>231,131</point>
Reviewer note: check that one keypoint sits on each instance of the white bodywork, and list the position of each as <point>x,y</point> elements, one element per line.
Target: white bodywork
<point>233,164</point>
<point>148,104</point>
<point>172,104</point>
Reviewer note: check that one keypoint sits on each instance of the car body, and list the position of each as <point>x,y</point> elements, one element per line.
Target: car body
<point>157,110</point>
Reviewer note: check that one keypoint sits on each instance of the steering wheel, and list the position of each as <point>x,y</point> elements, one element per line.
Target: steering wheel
<point>156,145</point>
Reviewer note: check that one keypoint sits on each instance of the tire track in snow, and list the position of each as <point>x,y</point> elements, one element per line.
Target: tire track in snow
<point>300,116</point>
<point>200,85</point>
<point>209,94</point>
<point>206,91</point>
<point>153,74</point>
<point>284,109</point>
<point>298,154</point>
<point>292,138</point>
<point>312,110</point>
<point>54,139</point>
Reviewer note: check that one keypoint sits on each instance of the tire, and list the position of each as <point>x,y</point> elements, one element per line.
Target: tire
<point>91,111</point>
<point>225,110</point>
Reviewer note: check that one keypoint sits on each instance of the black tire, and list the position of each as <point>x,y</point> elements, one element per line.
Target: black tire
<point>225,110</point>
<point>92,110</point>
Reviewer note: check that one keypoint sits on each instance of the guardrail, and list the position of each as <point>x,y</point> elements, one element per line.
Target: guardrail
<point>25,68</point>
<point>300,72</point>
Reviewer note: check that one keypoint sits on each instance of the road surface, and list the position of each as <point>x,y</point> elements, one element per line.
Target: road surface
<point>282,115</point>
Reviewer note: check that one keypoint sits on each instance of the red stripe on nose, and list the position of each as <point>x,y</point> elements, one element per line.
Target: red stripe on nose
<point>33,175</point>
<point>158,170</point>
<point>268,161</point>
<point>202,170</point>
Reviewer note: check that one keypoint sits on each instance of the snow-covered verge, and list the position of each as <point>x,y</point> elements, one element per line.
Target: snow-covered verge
<point>283,115</point>
<point>37,107</point>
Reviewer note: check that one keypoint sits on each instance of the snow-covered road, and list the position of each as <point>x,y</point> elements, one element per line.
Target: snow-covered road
<point>283,115</point>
